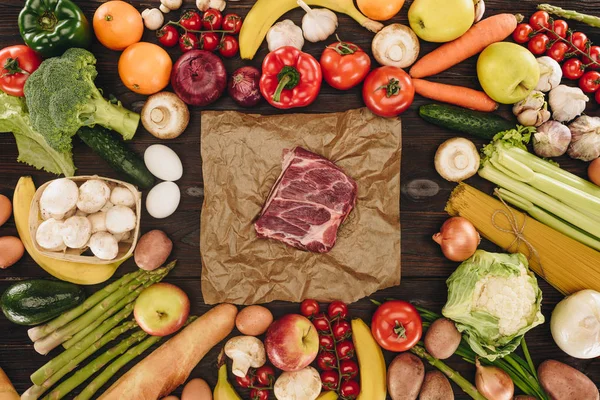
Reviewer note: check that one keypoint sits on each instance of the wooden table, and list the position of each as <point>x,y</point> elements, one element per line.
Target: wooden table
<point>424,193</point>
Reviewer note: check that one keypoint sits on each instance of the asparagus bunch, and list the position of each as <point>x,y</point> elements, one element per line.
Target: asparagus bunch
<point>570,14</point>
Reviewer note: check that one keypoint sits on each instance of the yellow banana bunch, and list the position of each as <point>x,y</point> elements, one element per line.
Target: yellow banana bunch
<point>330,395</point>
<point>265,13</point>
<point>224,390</point>
<point>79,273</point>
<point>370,361</point>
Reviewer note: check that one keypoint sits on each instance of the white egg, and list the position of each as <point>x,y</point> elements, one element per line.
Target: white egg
<point>163,163</point>
<point>163,200</point>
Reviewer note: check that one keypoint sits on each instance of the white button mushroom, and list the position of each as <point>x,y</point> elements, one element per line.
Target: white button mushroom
<point>246,352</point>
<point>59,197</point>
<point>204,5</point>
<point>93,195</point>
<point>98,221</point>
<point>396,45</point>
<point>120,219</point>
<point>76,232</point>
<point>457,159</point>
<point>121,237</point>
<point>121,196</point>
<point>298,385</point>
<point>170,5</point>
<point>165,115</point>
<point>153,18</point>
<point>107,206</point>
<point>104,245</point>
<point>49,235</point>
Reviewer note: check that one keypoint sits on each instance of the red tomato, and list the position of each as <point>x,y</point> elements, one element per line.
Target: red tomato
<point>341,330</point>
<point>349,369</point>
<point>168,36</point>
<point>212,20</point>
<point>595,55</point>
<point>246,381</point>
<point>539,19</point>
<point>326,361</point>
<point>388,91</point>
<point>259,394</point>
<point>345,350</point>
<point>344,65</point>
<point>579,40</point>
<point>597,97</point>
<point>209,41</point>
<point>232,23</point>
<point>265,375</point>
<point>321,322</point>
<point>590,81</point>
<point>397,326</point>
<point>330,379</point>
<point>229,46</point>
<point>309,307</point>
<point>572,68</point>
<point>188,41</point>
<point>191,20</point>
<point>521,33</point>
<point>16,64</point>
<point>560,28</point>
<point>350,390</point>
<point>557,51</point>
<point>326,343</point>
<point>538,44</point>
<point>337,309</point>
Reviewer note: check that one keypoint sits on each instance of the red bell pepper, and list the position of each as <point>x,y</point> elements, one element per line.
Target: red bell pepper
<point>290,78</point>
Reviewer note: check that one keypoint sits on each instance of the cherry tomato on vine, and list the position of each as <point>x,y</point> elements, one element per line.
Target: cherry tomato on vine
<point>397,325</point>
<point>168,36</point>
<point>590,81</point>
<point>188,41</point>
<point>330,379</point>
<point>572,68</point>
<point>246,381</point>
<point>341,330</point>
<point>345,350</point>
<point>595,55</point>
<point>209,41</point>
<point>191,20</point>
<point>232,23</point>
<point>259,394</point>
<point>326,361</point>
<point>337,309</point>
<point>348,369</point>
<point>350,390</point>
<point>309,307</point>
<point>265,375</point>
<point>229,46</point>
<point>579,40</point>
<point>326,343</point>
<point>16,64</point>
<point>539,19</point>
<point>557,51</point>
<point>522,32</point>
<point>560,29</point>
<point>212,20</point>
<point>538,44</point>
<point>321,322</point>
<point>388,91</point>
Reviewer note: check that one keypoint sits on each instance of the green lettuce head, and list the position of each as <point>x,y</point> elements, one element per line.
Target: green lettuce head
<point>494,300</point>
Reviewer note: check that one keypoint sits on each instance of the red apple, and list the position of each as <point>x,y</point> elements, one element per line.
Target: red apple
<point>161,309</point>
<point>292,342</point>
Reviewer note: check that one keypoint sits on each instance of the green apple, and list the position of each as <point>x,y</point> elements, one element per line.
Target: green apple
<point>507,72</point>
<point>441,20</point>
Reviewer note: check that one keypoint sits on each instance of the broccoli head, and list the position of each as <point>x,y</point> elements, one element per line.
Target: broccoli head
<point>62,97</point>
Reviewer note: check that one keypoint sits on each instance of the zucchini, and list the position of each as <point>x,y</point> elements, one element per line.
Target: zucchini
<point>476,123</point>
<point>34,301</point>
<point>117,155</point>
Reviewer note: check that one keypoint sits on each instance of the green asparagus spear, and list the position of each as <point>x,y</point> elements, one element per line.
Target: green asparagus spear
<point>570,14</point>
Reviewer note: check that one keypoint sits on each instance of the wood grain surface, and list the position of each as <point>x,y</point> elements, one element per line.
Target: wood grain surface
<point>424,193</point>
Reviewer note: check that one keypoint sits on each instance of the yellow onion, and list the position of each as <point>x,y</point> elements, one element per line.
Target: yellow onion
<point>458,239</point>
<point>493,382</point>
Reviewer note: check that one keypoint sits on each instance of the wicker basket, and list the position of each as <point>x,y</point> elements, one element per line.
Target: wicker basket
<point>126,247</point>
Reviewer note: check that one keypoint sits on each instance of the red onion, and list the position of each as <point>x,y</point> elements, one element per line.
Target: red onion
<point>199,77</point>
<point>243,86</point>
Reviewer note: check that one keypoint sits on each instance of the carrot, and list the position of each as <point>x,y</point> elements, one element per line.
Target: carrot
<point>490,30</point>
<point>7,391</point>
<point>457,95</point>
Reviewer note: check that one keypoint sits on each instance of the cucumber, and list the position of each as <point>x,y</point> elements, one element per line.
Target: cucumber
<point>117,155</point>
<point>34,301</point>
<point>476,123</point>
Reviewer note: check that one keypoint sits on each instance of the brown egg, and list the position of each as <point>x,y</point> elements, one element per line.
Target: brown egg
<point>254,320</point>
<point>196,389</point>
<point>171,398</point>
<point>5,209</point>
<point>11,251</point>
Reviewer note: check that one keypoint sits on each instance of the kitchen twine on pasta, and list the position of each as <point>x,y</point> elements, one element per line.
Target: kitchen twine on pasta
<point>516,230</point>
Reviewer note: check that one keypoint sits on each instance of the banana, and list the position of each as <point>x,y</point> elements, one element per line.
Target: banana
<point>79,273</point>
<point>330,395</point>
<point>370,361</point>
<point>265,13</point>
<point>224,390</point>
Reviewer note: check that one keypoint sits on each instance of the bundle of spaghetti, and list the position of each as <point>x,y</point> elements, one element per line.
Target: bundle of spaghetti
<point>566,264</point>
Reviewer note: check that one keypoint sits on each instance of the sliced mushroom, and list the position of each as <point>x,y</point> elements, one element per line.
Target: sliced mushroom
<point>246,352</point>
<point>49,235</point>
<point>457,159</point>
<point>120,219</point>
<point>396,45</point>
<point>121,196</point>
<point>76,232</point>
<point>59,197</point>
<point>98,221</point>
<point>165,115</point>
<point>93,195</point>
<point>104,245</point>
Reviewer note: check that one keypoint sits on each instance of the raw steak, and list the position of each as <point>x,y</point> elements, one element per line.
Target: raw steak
<point>308,203</point>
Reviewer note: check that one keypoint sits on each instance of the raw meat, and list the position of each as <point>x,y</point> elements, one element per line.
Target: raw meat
<point>308,203</point>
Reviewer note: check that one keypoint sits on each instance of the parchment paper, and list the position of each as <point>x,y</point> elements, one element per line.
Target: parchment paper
<point>241,160</point>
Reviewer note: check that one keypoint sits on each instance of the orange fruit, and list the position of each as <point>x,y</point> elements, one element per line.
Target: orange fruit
<point>118,25</point>
<point>145,68</point>
<point>380,10</point>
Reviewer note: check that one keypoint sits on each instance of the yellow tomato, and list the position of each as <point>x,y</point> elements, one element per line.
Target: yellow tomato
<point>118,25</point>
<point>145,68</point>
<point>380,10</point>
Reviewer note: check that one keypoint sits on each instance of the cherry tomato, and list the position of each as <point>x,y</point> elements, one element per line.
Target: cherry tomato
<point>259,394</point>
<point>16,64</point>
<point>309,307</point>
<point>597,97</point>
<point>539,19</point>
<point>560,28</point>
<point>168,36</point>
<point>341,330</point>
<point>212,20</point>
<point>246,381</point>
<point>349,369</point>
<point>321,322</point>
<point>350,390</point>
<point>265,375</point>
<point>345,65</point>
<point>229,46</point>
<point>388,91</point>
<point>594,53</point>
<point>326,361</point>
<point>557,51</point>
<point>232,23</point>
<point>572,68</point>
<point>209,41</point>
<point>397,325</point>
<point>330,379</point>
<point>337,309</point>
<point>538,44</point>
<point>590,81</point>
<point>188,41</point>
<point>521,33</point>
<point>326,343</point>
<point>579,40</point>
<point>191,20</point>
<point>345,350</point>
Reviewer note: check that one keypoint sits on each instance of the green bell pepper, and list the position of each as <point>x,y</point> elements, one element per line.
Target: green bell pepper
<point>52,26</point>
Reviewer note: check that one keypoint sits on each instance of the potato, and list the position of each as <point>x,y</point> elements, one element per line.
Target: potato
<point>436,387</point>
<point>405,377</point>
<point>152,250</point>
<point>11,251</point>
<point>442,339</point>
<point>5,209</point>
<point>253,320</point>
<point>196,389</point>
<point>563,382</point>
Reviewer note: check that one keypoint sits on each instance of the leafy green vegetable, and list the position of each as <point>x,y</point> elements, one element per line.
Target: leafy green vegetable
<point>494,299</point>
<point>33,148</point>
<point>62,97</point>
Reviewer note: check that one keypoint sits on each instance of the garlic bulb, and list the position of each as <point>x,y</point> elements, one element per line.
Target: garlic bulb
<point>551,139</point>
<point>204,5</point>
<point>318,24</point>
<point>153,18</point>
<point>550,74</point>
<point>285,33</point>
<point>567,102</point>
<point>585,144</point>
<point>532,110</point>
<point>479,10</point>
